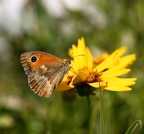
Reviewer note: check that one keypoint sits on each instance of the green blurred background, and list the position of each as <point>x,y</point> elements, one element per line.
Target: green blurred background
<point>53,26</point>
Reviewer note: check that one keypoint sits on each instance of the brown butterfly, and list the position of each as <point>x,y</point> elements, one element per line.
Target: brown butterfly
<point>45,71</point>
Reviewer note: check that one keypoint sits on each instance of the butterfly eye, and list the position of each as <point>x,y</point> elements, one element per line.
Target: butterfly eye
<point>33,59</point>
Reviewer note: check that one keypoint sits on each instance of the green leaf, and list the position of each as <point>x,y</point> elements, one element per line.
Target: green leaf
<point>133,126</point>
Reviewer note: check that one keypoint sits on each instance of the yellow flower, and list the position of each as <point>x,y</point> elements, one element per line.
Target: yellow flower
<point>103,72</point>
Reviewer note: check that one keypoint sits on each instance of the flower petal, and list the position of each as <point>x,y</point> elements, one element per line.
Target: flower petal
<point>63,85</point>
<point>115,84</point>
<point>89,59</point>
<point>111,60</point>
<point>109,73</point>
<point>117,88</point>
<point>120,81</point>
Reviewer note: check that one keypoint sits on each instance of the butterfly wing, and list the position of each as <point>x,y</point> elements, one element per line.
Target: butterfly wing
<point>42,58</point>
<point>46,73</point>
<point>44,82</point>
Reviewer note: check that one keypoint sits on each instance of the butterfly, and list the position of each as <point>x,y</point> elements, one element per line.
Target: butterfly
<point>45,71</point>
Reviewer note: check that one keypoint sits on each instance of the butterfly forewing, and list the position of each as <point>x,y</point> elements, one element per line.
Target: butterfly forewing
<point>42,59</point>
<point>45,71</point>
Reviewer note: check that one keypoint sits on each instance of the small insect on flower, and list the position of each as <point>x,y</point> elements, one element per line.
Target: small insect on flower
<point>45,71</point>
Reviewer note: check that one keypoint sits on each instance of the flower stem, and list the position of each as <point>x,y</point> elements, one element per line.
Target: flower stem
<point>101,113</point>
<point>101,108</point>
<point>89,114</point>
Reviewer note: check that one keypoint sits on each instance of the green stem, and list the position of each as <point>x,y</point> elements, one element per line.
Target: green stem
<point>101,108</point>
<point>101,113</point>
<point>89,114</point>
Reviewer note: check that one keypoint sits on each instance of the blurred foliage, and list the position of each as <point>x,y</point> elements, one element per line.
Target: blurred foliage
<point>112,24</point>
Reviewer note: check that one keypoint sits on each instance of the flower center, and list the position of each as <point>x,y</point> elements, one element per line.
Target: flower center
<point>92,77</point>
<point>84,75</point>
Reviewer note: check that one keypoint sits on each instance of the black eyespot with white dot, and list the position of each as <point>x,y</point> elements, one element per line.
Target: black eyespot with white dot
<point>34,59</point>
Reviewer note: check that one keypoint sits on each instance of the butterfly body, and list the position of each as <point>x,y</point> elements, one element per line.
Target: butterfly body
<point>45,71</point>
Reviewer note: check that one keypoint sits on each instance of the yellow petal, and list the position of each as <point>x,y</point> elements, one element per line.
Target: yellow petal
<point>117,88</point>
<point>75,62</point>
<point>124,62</point>
<point>100,58</point>
<point>89,59</point>
<point>111,60</point>
<point>120,81</point>
<point>110,73</point>
<point>115,84</point>
<point>129,59</point>
<point>64,85</point>
<point>79,78</point>
<point>83,54</point>
<point>101,85</point>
